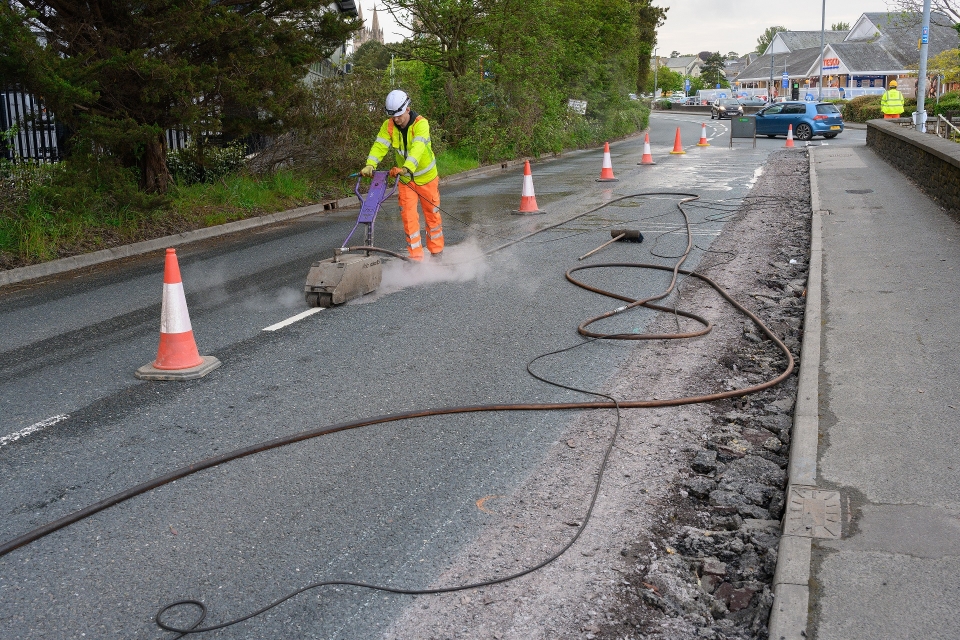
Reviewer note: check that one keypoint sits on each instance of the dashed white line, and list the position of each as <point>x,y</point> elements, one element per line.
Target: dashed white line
<point>43,424</point>
<point>296,318</point>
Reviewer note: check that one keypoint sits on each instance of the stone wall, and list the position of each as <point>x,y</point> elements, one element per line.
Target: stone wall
<point>929,161</point>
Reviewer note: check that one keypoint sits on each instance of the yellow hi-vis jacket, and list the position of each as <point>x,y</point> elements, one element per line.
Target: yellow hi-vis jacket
<point>415,153</point>
<point>892,102</point>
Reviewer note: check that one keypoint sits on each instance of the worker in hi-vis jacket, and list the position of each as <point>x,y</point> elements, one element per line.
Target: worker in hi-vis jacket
<point>408,133</point>
<point>892,102</point>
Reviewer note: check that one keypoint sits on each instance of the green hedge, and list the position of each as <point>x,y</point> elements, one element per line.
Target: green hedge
<point>948,102</point>
<point>865,108</point>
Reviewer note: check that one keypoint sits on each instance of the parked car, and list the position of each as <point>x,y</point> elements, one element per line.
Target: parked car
<point>753,102</point>
<point>725,108</point>
<point>808,119</point>
<point>692,102</point>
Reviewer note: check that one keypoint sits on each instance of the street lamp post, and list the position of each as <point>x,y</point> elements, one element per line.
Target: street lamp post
<point>656,66</point>
<point>922,73</point>
<point>823,26</point>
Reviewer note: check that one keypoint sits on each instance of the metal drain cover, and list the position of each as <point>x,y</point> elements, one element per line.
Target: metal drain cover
<point>813,513</point>
<point>859,191</point>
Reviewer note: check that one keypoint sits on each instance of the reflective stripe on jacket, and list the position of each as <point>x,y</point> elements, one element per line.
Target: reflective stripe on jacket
<point>419,158</point>
<point>892,101</point>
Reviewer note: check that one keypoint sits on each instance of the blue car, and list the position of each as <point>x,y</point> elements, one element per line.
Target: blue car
<point>808,119</point>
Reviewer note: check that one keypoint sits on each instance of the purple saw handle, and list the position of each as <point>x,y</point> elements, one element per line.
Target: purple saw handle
<point>370,206</point>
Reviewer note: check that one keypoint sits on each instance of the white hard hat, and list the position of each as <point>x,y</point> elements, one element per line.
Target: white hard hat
<point>397,102</point>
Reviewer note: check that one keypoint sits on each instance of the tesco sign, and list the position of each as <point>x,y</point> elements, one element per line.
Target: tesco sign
<point>831,63</point>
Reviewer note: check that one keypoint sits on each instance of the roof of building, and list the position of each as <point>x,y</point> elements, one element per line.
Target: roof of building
<point>879,42</point>
<point>733,67</point>
<point>863,57</point>
<point>680,62</point>
<point>796,40</point>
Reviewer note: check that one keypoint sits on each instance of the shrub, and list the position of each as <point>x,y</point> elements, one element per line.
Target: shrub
<point>862,108</point>
<point>948,102</point>
<point>194,164</point>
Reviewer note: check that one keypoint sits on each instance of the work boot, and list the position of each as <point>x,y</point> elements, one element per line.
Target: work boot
<point>437,257</point>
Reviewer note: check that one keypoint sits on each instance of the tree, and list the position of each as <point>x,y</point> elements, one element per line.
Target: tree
<point>668,80</point>
<point>121,73</point>
<point>674,54</point>
<point>732,55</point>
<point>949,8</point>
<point>712,69</point>
<point>840,26</point>
<point>446,33</point>
<point>697,84</point>
<point>764,41</point>
<point>649,18</point>
<point>946,63</point>
<point>371,55</point>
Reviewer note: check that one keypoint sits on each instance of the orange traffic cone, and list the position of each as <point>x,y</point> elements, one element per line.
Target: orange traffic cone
<point>647,157</point>
<point>677,147</point>
<point>789,144</point>
<point>703,137</point>
<point>528,199</point>
<point>177,356</point>
<point>606,171</point>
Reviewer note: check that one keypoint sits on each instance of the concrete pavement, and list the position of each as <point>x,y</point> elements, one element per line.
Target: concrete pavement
<point>871,545</point>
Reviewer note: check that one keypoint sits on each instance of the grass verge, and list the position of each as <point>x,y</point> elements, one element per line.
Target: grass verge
<point>53,211</point>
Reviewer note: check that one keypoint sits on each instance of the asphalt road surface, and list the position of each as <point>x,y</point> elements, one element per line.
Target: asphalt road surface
<point>388,504</point>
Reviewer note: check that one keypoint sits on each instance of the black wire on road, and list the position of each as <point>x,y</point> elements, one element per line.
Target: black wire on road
<point>609,402</point>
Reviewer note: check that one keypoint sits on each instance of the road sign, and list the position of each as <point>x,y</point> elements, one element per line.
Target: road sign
<point>579,106</point>
<point>925,38</point>
<point>686,85</point>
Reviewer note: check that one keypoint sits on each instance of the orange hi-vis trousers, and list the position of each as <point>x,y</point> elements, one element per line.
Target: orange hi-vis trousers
<point>429,198</point>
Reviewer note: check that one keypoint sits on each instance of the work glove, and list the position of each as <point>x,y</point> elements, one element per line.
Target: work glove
<point>367,171</point>
<point>396,171</point>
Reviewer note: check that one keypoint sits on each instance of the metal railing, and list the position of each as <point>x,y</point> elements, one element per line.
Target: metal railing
<point>31,131</point>
<point>950,130</point>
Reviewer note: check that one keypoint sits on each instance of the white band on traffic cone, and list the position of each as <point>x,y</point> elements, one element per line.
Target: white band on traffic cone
<point>174,317</point>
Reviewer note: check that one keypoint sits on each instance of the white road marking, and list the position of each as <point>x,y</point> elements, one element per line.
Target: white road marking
<point>43,424</point>
<point>296,318</point>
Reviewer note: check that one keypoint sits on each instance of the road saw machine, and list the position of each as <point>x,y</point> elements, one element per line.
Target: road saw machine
<point>352,271</point>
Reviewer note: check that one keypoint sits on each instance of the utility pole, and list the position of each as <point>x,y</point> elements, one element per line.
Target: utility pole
<point>770,84</point>
<point>922,75</point>
<point>823,26</point>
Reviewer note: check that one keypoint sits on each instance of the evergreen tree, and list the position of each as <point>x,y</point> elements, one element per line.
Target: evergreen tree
<point>712,70</point>
<point>649,18</point>
<point>119,73</point>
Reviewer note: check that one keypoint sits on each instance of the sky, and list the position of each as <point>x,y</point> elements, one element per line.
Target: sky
<point>391,31</point>
<point>708,25</point>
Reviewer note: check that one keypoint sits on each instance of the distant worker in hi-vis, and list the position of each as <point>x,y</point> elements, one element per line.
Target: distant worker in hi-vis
<point>892,102</point>
<point>408,133</point>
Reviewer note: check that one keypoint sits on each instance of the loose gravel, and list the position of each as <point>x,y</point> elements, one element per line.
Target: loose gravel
<point>683,541</point>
